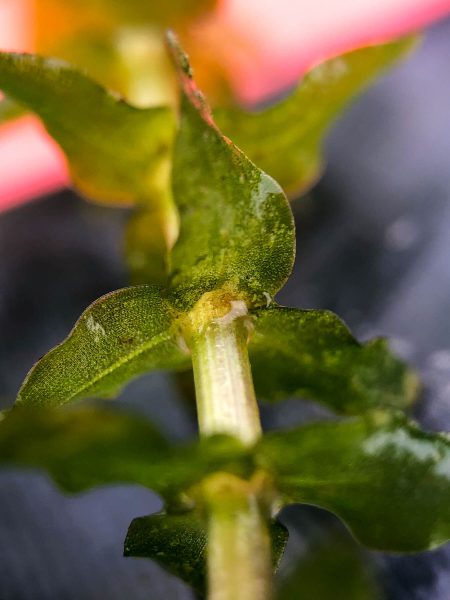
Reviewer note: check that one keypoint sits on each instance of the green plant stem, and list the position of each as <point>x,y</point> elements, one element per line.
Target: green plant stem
<point>239,561</point>
<point>226,401</point>
<point>239,565</point>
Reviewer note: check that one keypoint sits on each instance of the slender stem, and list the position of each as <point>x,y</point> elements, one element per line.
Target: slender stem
<point>226,400</point>
<point>239,565</point>
<point>239,559</point>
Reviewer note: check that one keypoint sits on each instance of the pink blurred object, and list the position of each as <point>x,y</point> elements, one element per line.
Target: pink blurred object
<point>282,39</point>
<point>31,164</point>
<point>16,25</point>
<point>265,45</point>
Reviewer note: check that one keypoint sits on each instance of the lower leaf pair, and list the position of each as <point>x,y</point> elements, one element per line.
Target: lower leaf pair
<point>386,479</point>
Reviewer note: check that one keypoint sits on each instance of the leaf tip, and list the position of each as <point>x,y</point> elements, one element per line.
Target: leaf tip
<point>186,77</point>
<point>179,56</point>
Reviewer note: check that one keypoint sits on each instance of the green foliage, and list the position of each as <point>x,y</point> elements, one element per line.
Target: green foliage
<point>286,139</point>
<point>86,447</point>
<point>178,543</point>
<point>117,154</point>
<point>141,13</point>
<point>386,479</point>
<point>311,353</point>
<point>236,227</point>
<point>121,335</point>
<point>236,237</point>
<point>9,110</point>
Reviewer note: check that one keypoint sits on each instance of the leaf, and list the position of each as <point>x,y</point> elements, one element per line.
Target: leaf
<point>120,44</point>
<point>178,543</point>
<point>286,139</point>
<point>334,569</point>
<point>87,447</point>
<point>386,479</point>
<point>236,226</point>
<point>117,154</point>
<point>9,110</point>
<point>311,353</point>
<point>63,16</point>
<point>149,231</point>
<point>120,336</point>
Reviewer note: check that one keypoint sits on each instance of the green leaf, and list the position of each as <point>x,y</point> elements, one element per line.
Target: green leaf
<point>386,479</point>
<point>286,139</point>
<point>178,543</point>
<point>87,447</point>
<point>333,569</point>
<point>117,154</point>
<point>132,12</point>
<point>236,227</point>
<point>149,232</point>
<point>9,110</point>
<point>120,336</point>
<point>311,353</point>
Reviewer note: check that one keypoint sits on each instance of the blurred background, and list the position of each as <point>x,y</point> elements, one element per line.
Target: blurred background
<point>373,246</point>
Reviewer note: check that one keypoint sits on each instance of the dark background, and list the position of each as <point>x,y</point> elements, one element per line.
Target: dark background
<point>373,245</point>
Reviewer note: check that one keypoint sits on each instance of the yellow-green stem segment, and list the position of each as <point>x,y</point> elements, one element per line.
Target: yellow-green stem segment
<point>226,401</point>
<point>239,560</point>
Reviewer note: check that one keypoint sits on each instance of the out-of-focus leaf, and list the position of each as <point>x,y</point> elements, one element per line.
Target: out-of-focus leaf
<point>385,478</point>
<point>334,569</point>
<point>62,17</point>
<point>120,44</point>
<point>121,335</point>
<point>311,353</point>
<point>87,447</point>
<point>286,139</point>
<point>117,154</point>
<point>132,61</point>
<point>178,543</point>
<point>236,227</point>
<point>150,230</point>
<point>9,110</point>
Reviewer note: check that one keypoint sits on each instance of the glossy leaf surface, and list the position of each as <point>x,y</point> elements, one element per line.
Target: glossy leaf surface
<point>117,154</point>
<point>178,543</point>
<point>312,354</point>
<point>386,479</point>
<point>236,226</point>
<point>286,139</point>
<point>87,447</point>
<point>121,335</point>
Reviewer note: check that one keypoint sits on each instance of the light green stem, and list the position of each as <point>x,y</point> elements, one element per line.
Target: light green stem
<point>226,400</point>
<point>239,564</point>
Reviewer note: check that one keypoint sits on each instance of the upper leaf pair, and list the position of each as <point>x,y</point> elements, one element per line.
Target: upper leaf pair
<point>121,155</point>
<point>236,240</point>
